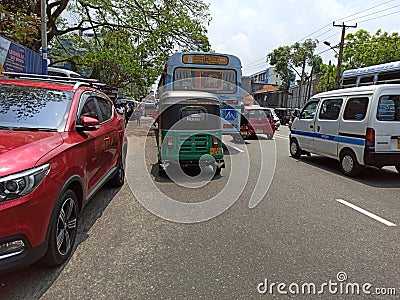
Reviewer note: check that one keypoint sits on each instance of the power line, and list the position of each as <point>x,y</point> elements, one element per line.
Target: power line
<point>396,12</point>
<point>318,30</point>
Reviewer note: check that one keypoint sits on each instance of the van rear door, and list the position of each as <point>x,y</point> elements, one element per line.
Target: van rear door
<point>386,121</point>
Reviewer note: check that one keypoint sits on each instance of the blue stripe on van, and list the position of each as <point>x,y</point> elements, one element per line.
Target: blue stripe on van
<point>335,138</point>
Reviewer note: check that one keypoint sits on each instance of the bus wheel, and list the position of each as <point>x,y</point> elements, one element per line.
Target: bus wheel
<point>349,164</point>
<point>295,150</point>
<point>397,168</point>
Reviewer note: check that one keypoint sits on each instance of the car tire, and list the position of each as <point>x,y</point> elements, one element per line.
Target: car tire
<point>349,165</point>
<point>161,171</point>
<point>217,171</point>
<point>397,168</point>
<point>63,230</point>
<point>295,150</point>
<point>119,178</point>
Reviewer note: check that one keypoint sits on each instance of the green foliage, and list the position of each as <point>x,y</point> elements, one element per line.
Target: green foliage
<point>130,41</point>
<point>19,23</point>
<point>289,59</point>
<point>362,49</point>
<point>327,77</point>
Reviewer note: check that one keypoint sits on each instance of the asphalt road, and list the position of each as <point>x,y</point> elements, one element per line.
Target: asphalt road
<point>308,228</point>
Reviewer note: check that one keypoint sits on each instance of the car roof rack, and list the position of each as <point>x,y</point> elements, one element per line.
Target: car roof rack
<point>59,79</point>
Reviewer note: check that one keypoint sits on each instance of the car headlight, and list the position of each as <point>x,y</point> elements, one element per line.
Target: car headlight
<point>22,183</point>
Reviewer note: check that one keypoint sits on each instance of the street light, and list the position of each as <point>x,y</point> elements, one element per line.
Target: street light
<point>329,45</point>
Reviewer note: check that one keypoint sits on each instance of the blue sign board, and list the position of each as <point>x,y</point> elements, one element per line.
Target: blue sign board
<point>17,58</point>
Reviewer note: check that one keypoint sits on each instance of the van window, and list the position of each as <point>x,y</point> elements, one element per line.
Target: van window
<point>389,108</point>
<point>309,110</point>
<point>349,82</point>
<point>366,80</point>
<point>356,109</point>
<point>390,77</point>
<point>330,109</point>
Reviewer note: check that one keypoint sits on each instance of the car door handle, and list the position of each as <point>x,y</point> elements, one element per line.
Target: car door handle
<point>311,126</point>
<point>318,128</point>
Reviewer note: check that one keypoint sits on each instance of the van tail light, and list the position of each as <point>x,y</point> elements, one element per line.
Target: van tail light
<point>215,142</point>
<point>170,143</point>
<point>370,137</point>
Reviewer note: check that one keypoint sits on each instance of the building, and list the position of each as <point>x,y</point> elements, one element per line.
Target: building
<point>267,76</point>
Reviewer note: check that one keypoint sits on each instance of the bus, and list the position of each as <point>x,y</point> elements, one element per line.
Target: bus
<point>376,74</point>
<point>220,74</point>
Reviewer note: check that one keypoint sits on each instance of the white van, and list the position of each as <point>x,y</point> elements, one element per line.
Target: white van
<point>358,126</point>
<point>62,72</point>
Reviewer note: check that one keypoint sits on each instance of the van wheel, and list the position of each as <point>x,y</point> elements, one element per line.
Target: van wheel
<point>63,229</point>
<point>397,168</point>
<point>295,150</point>
<point>349,164</point>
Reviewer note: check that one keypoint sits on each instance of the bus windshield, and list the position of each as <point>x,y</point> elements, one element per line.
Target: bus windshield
<point>212,80</point>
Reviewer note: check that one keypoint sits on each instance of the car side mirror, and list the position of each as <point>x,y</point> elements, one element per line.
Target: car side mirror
<point>88,124</point>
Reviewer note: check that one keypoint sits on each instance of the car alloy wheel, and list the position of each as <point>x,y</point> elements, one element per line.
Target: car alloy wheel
<point>66,226</point>
<point>63,229</point>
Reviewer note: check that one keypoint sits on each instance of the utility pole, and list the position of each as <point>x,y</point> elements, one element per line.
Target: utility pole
<point>341,46</point>
<point>44,36</point>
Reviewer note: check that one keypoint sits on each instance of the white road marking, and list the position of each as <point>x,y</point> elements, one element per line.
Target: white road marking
<point>229,143</point>
<point>282,136</point>
<point>236,148</point>
<point>367,213</point>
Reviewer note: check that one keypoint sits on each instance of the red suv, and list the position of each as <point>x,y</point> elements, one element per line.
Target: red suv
<point>60,142</point>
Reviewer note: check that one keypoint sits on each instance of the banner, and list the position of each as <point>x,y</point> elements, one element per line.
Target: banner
<point>17,58</point>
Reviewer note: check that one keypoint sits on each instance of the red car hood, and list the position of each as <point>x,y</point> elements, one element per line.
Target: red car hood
<point>20,150</point>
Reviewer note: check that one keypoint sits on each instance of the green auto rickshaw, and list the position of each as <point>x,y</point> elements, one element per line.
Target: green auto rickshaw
<point>189,131</point>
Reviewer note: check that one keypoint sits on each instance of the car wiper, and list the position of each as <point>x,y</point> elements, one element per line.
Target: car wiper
<point>31,129</point>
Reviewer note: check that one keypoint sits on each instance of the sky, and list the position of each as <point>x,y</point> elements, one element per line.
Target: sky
<point>250,29</point>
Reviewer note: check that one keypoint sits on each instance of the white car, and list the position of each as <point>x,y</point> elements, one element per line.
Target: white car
<point>62,72</point>
<point>277,121</point>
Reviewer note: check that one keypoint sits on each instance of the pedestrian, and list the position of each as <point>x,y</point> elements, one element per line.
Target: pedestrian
<point>138,114</point>
<point>128,113</point>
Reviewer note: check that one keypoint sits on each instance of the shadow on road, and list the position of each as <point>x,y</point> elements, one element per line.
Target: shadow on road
<point>33,281</point>
<point>374,177</point>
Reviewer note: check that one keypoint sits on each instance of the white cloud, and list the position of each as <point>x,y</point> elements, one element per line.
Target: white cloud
<point>253,28</point>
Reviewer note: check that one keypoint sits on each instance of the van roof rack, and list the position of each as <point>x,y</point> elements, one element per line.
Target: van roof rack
<point>59,79</point>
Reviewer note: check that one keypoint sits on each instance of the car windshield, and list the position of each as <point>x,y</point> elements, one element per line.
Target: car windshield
<point>33,108</point>
<point>259,113</point>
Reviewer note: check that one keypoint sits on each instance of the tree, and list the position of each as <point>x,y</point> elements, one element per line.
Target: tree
<point>299,59</point>
<point>130,39</point>
<point>281,59</point>
<point>20,23</point>
<point>362,49</point>
<point>326,78</point>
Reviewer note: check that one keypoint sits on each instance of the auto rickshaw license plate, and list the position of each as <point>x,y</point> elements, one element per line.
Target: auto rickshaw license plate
<point>398,143</point>
<point>215,151</point>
